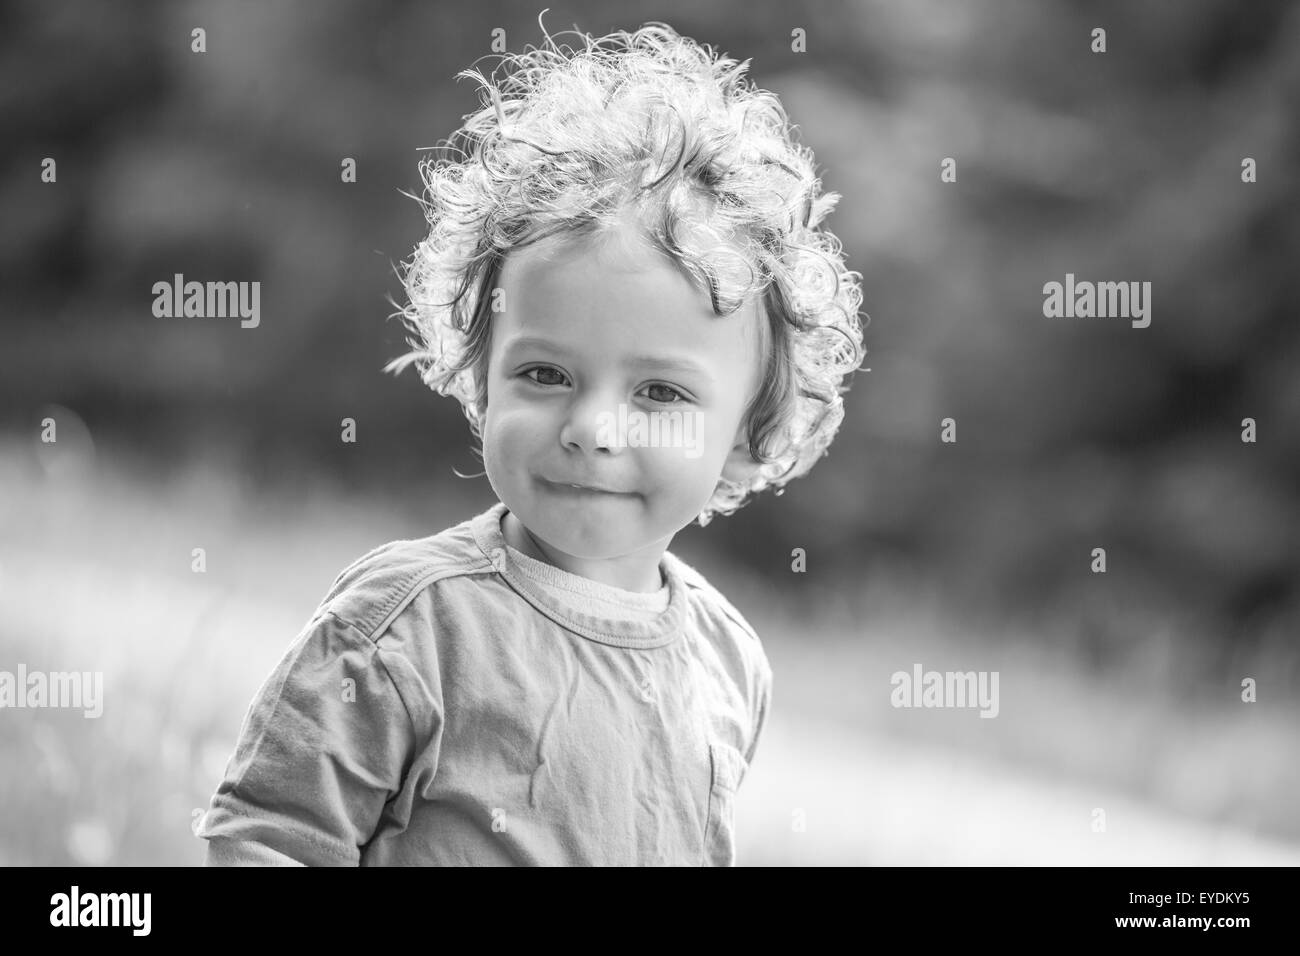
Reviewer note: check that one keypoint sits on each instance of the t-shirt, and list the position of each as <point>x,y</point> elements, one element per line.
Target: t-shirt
<point>442,707</point>
<point>588,596</point>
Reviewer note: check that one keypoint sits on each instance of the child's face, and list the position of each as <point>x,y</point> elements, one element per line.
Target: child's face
<point>603,308</point>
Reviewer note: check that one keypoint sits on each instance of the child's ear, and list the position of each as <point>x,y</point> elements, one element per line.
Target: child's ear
<point>739,466</point>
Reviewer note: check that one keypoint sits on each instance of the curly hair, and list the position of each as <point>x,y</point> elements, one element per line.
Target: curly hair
<point>565,145</point>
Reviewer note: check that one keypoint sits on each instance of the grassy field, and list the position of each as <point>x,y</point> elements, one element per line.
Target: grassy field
<point>95,575</point>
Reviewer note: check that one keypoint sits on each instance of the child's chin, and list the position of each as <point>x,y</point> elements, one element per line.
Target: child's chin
<point>597,541</point>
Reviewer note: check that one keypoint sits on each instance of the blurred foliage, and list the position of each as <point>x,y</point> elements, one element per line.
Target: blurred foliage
<point>1073,434</point>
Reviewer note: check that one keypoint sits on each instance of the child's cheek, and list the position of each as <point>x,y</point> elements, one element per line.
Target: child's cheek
<point>675,468</point>
<point>515,412</point>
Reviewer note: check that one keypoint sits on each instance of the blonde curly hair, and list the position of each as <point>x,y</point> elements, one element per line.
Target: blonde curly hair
<point>650,121</point>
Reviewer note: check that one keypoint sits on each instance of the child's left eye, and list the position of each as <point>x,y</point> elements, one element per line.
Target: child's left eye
<point>671,390</point>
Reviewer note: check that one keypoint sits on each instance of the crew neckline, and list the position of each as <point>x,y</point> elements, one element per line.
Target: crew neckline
<point>645,604</point>
<point>615,631</point>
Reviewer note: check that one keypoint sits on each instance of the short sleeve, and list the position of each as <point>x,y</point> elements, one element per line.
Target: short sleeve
<point>223,851</point>
<point>764,706</point>
<point>324,746</point>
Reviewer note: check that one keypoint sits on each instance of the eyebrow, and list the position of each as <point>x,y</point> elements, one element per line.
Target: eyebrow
<point>660,363</point>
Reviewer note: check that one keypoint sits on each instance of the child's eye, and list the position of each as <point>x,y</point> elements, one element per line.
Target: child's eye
<point>670,390</point>
<point>542,368</point>
<point>676,397</point>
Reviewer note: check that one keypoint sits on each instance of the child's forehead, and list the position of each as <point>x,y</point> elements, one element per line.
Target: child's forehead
<point>547,289</point>
<point>644,312</point>
<point>614,249</point>
<point>617,270</point>
<point>624,253</point>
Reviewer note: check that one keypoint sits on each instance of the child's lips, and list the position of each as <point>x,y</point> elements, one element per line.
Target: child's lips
<point>578,488</point>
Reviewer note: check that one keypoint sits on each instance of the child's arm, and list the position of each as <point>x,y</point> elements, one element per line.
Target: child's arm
<point>326,743</point>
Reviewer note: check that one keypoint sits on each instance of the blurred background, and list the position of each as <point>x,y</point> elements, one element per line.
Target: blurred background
<point>1120,692</point>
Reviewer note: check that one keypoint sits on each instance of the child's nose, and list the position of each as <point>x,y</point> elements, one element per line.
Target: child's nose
<point>592,422</point>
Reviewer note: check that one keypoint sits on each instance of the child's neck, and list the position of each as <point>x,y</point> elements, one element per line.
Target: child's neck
<point>638,571</point>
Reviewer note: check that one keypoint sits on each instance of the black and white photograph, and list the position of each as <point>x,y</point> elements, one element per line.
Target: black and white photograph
<point>816,434</point>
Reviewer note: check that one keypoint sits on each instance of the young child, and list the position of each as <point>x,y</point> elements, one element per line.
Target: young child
<point>630,233</point>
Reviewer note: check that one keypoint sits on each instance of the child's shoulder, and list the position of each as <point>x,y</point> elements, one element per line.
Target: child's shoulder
<point>710,597</point>
<point>370,592</point>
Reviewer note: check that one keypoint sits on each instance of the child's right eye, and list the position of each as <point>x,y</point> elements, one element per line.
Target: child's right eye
<point>542,368</point>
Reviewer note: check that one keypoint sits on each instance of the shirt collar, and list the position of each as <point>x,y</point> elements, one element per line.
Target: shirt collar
<point>615,631</point>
